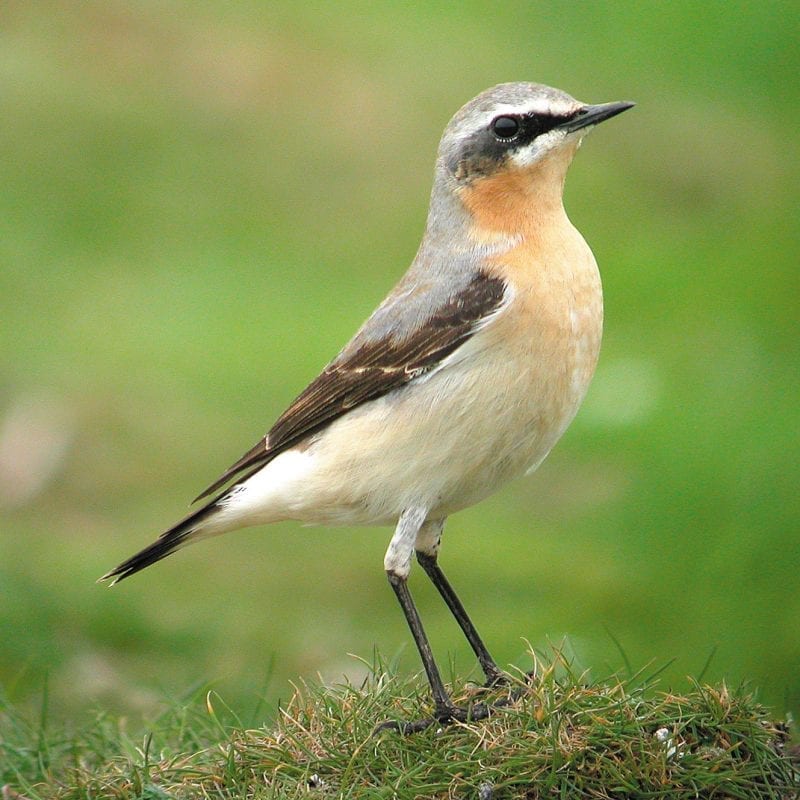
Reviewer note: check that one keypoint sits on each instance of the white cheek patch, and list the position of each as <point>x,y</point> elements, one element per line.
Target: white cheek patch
<point>538,148</point>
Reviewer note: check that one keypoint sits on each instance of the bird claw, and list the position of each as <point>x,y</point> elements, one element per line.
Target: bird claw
<point>443,716</point>
<point>452,713</point>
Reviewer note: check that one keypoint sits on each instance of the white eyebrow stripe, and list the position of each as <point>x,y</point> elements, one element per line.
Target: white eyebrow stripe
<point>539,105</point>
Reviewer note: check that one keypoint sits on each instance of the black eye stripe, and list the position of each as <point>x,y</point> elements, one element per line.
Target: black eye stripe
<point>537,124</point>
<point>527,127</point>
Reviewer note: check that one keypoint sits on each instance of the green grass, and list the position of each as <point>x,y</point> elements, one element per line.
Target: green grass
<point>559,735</point>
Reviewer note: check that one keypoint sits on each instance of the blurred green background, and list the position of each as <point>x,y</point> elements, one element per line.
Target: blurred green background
<point>200,202</point>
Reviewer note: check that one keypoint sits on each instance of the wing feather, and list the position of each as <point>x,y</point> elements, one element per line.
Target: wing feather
<point>370,368</point>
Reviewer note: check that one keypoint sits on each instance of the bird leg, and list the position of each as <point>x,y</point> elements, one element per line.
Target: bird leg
<point>429,562</point>
<point>398,566</point>
<point>444,709</point>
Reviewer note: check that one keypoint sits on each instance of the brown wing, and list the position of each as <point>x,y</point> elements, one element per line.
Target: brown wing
<point>370,368</point>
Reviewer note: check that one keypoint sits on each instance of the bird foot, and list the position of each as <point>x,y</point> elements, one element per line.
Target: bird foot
<point>443,716</point>
<point>451,713</point>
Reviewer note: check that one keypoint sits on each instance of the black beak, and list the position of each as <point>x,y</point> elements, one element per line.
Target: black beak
<point>591,115</point>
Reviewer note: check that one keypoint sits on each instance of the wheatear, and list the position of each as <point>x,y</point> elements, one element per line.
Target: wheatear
<point>463,378</point>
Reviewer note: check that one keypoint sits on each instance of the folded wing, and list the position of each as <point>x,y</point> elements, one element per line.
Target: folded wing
<point>370,367</point>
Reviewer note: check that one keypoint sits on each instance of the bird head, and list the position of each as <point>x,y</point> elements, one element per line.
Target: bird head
<point>516,126</point>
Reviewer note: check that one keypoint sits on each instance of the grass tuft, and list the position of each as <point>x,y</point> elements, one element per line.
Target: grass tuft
<point>562,736</point>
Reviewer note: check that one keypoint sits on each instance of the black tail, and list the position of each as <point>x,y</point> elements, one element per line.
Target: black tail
<point>169,541</point>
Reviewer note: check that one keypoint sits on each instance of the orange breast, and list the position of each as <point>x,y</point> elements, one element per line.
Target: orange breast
<point>553,327</point>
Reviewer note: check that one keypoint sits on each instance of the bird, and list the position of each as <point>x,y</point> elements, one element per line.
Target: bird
<point>462,379</point>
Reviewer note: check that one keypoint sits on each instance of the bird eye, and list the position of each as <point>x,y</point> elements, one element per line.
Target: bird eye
<point>505,127</point>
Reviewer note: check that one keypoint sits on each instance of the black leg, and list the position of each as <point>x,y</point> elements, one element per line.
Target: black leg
<point>494,675</point>
<point>444,706</point>
<point>445,711</point>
